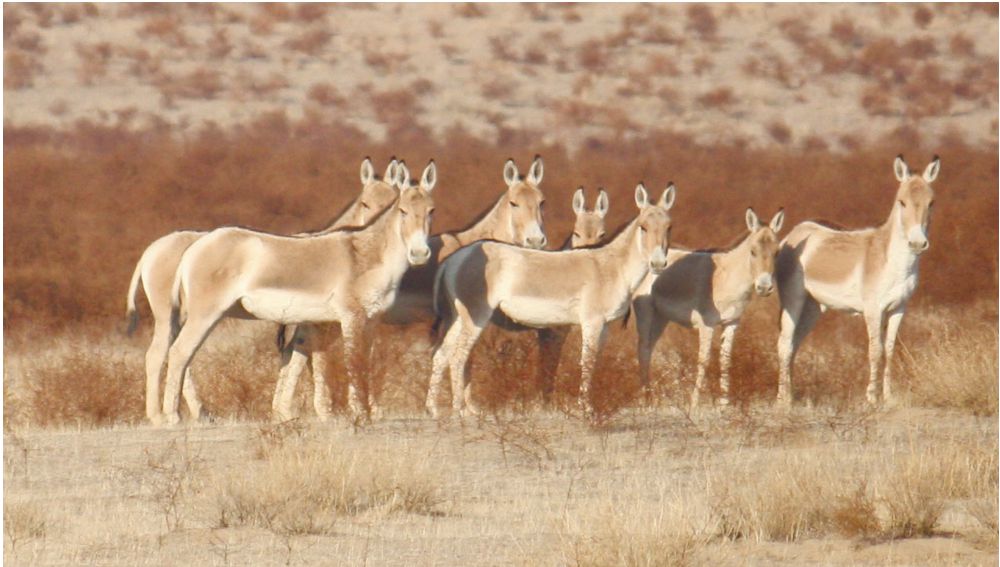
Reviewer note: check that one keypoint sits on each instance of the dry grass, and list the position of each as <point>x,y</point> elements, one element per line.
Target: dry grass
<point>303,489</point>
<point>23,521</point>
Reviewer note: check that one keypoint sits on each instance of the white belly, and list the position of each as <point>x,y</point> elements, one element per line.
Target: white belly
<point>281,306</point>
<point>540,312</point>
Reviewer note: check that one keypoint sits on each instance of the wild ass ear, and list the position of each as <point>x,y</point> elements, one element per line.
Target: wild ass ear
<point>510,175</point>
<point>931,173</point>
<point>367,171</point>
<point>667,198</point>
<point>900,168</point>
<point>536,171</point>
<point>402,176</point>
<point>753,223</point>
<point>602,204</point>
<point>641,196</point>
<point>777,220</point>
<point>390,171</point>
<point>429,178</point>
<point>578,201</point>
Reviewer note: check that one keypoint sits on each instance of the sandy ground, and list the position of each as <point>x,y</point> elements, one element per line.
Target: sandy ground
<point>512,490</point>
<point>568,73</point>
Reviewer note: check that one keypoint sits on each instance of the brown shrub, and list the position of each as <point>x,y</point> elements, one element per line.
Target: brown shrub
<point>20,69</point>
<point>780,132</point>
<point>260,86</point>
<point>469,10</point>
<point>200,83</point>
<point>923,16</point>
<point>325,94</point>
<point>94,60</point>
<point>961,45</point>
<point>218,45</point>
<point>843,30</point>
<point>167,28</point>
<point>877,101</point>
<point>593,55</point>
<point>717,98</point>
<point>660,65</point>
<point>311,42</point>
<point>702,21</point>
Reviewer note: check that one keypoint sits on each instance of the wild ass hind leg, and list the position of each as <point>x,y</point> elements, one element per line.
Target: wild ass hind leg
<point>891,332</point>
<point>190,394</point>
<point>875,322</point>
<point>798,317</point>
<point>321,389</point>
<point>156,355</point>
<point>188,341</point>
<point>649,328</point>
<point>706,334</point>
<point>293,363</point>
<point>725,360</point>
<point>550,344</point>
<point>594,335</point>
<point>356,334</point>
<point>439,365</point>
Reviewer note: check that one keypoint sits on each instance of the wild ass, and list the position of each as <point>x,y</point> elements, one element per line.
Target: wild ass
<point>516,217</point>
<point>587,287</point>
<point>872,271</point>
<point>346,276</point>
<point>158,265</point>
<point>706,289</point>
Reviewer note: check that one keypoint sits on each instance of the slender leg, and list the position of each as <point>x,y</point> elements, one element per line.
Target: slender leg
<point>876,327</point>
<point>156,355</point>
<point>439,365</point>
<point>649,327</point>
<point>705,336</point>
<point>550,344</point>
<point>461,384</point>
<point>373,384</point>
<point>725,359</point>
<point>593,339</point>
<point>797,321</point>
<point>293,362</point>
<point>189,340</point>
<point>190,394</point>
<point>355,349</point>
<point>321,389</point>
<point>891,330</point>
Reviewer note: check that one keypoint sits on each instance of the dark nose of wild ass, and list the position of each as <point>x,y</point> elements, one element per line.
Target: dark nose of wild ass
<point>764,285</point>
<point>919,246</point>
<point>537,242</point>
<point>420,256</point>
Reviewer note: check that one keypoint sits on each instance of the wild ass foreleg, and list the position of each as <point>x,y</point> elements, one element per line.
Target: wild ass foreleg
<point>190,394</point>
<point>190,338</point>
<point>156,355</point>
<point>725,358</point>
<point>876,327</point>
<point>293,363</point>
<point>550,344</point>
<point>705,336</point>
<point>649,327</point>
<point>891,331</point>
<point>796,322</point>
<point>439,365</point>
<point>355,349</point>
<point>593,340</point>
<point>321,389</point>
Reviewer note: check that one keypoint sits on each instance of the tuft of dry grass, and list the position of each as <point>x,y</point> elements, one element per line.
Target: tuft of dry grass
<point>23,521</point>
<point>303,489</point>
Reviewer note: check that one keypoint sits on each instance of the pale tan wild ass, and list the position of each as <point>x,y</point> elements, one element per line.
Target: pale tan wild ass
<point>158,264</point>
<point>347,276</point>
<point>871,271</point>
<point>587,287</point>
<point>706,289</point>
<point>516,217</point>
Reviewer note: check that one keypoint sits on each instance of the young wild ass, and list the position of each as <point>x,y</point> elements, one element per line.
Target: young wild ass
<point>587,287</point>
<point>346,276</point>
<point>516,218</point>
<point>707,289</point>
<point>871,271</point>
<point>158,265</point>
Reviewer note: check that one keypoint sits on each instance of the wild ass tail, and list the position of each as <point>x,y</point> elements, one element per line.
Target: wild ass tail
<point>176,290</point>
<point>284,333</point>
<point>131,314</point>
<point>440,305</point>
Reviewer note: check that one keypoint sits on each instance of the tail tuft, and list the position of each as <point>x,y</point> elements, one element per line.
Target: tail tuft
<point>132,318</point>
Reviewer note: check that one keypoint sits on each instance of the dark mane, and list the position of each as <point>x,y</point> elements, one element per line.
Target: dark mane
<point>371,222</point>
<point>476,220</point>
<point>830,224</point>
<point>335,218</point>
<point>609,238</point>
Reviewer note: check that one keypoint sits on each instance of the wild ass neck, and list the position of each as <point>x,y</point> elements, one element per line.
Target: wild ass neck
<point>380,244</point>
<point>494,225</point>
<point>623,256</point>
<point>732,267</point>
<point>901,260</point>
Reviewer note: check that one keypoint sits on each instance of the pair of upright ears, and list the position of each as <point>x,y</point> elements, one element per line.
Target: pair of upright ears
<point>398,175</point>
<point>511,175</point>
<point>903,171</point>
<point>666,199</point>
<point>580,202</point>
<point>753,222</point>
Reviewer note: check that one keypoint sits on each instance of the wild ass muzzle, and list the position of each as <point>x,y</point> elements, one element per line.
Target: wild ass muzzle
<point>706,289</point>
<point>345,277</point>
<point>872,271</point>
<point>516,218</point>
<point>587,287</point>
<point>157,267</point>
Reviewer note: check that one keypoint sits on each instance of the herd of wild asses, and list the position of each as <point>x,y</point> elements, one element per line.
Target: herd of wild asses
<point>378,262</point>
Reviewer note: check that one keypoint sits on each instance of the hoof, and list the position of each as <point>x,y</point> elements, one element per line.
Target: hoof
<point>205,418</point>
<point>377,413</point>
<point>171,419</point>
<point>156,419</point>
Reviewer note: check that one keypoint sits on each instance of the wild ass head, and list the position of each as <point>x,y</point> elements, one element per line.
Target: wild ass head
<point>416,208</point>
<point>763,245</point>
<point>521,205</point>
<point>376,194</point>
<point>589,226</point>
<point>914,200</point>
<point>654,225</point>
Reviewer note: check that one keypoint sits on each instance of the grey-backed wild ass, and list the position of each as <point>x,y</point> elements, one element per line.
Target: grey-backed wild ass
<point>587,287</point>
<point>872,271</point>
<point>157,267</point>
<point>346,276</point>
<point>515,217</point>
<point>706,289</point>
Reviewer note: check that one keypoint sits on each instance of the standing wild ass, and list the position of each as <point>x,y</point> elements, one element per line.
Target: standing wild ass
<point>516,218</point>
<point>158,265</point>
<point>587,287</point>
<point>706,289</point>
<point>871,271</point>
<point>346,276</point>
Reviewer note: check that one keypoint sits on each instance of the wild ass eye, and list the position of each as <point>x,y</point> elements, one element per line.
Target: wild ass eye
<point>577,235</point>
<point>513,204</point>
<point>902,204</point>
<point>404,212</point>
<point>753,253</point>
<point>364,205</point>
<point>601,234</point>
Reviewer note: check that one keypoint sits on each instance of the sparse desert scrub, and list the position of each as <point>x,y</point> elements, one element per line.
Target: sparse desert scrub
<point>23,521</point>
<point>303,489</point>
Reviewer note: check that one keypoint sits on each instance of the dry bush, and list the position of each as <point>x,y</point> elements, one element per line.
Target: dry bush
<point>383,61</point>
<point>218,45</point>
<point>961,45</point>
<point>259,86</point>
<point>593,55</point>
<point>20,69</point>
<point>702,64</point>
<point>302,490</point>
<point>325,94</point>
<point>167,28</point>
<point>94,60</point>
<point>200,83</point>
<point>469,10</point>
<point>957,369</point>
<point>718,98</point>
<point>311,42</point>
<point>84,386</point>
<point>844,31</point>
<point>236,379</point>
<point>702,21</point>
<point>877,101</point>
<point>780,132</point>
<point>662,66</point>
<point>23,521</point>
<point>923,16</point>
<point>497,88</point>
